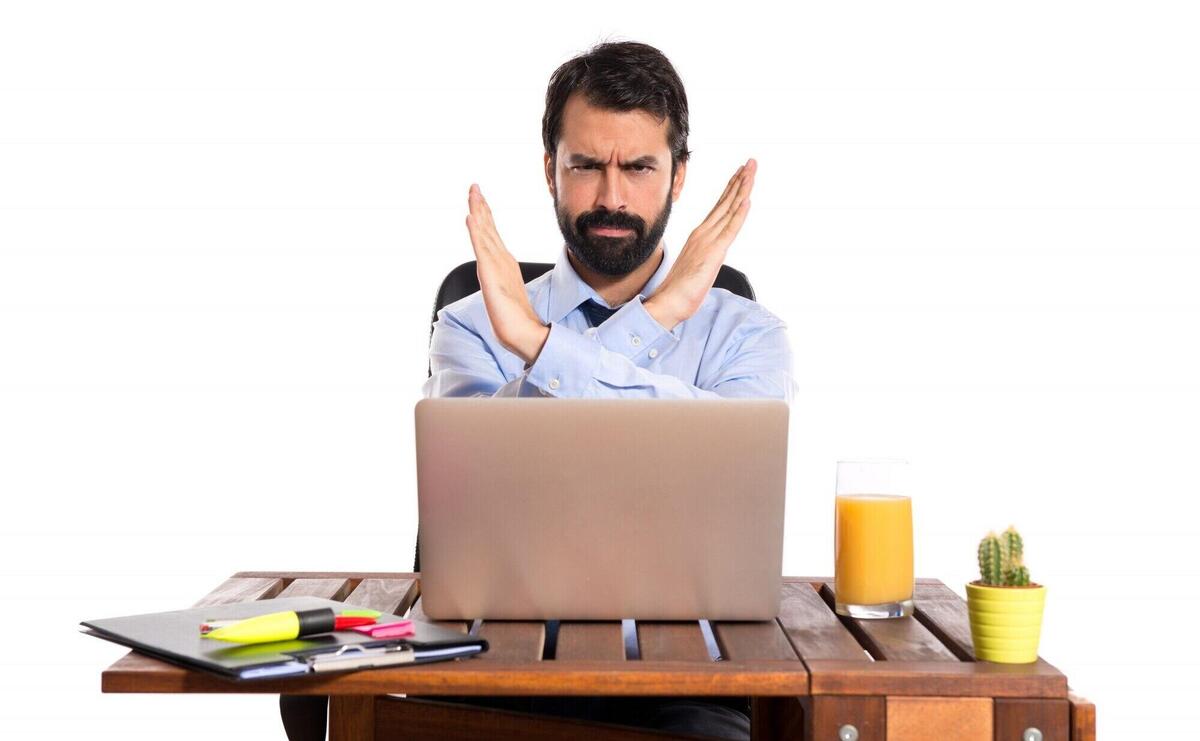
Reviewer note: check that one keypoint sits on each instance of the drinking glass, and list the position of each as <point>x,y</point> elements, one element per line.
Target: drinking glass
<point>873,540</point>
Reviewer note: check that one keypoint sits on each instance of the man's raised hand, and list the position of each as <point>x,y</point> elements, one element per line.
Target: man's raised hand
<point>514,322</point>
<point>682,292</point>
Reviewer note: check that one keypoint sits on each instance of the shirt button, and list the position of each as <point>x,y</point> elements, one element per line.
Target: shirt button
<point>636,340</point>
<point>653,352</point>
<point>590,331</point>
<point>553,383</point>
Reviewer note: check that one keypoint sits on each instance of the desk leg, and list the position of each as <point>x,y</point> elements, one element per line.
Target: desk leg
<point>304,716</point>
<point>1015,715</point>
<point>825,715</point>
<point>774,718</point>
<point>1083,718</point>
<point>351,717</point>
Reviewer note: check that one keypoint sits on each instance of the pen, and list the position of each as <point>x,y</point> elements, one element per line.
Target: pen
<point>283,626</point>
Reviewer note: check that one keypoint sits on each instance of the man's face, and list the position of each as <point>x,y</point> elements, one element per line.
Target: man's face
<point>612,185</point>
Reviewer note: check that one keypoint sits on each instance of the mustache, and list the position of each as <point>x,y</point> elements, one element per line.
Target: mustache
<point>611,220</point>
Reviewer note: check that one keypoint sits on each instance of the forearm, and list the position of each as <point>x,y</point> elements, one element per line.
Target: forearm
<point>574,365</point>
<point>530,341</point>
<point>610,361</point>
<point>663,312</point>
<point>461,365</point>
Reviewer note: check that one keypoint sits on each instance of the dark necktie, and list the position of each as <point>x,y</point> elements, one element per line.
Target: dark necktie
<point>596,313</point>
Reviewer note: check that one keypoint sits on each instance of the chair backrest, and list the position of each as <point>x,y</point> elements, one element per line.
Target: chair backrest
<point>463,280</point>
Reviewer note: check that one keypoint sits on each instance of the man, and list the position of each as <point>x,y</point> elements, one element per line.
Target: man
<point>616,316</point>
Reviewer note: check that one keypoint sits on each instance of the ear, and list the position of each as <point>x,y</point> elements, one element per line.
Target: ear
<point>677,182</point>
<point>548,164</point>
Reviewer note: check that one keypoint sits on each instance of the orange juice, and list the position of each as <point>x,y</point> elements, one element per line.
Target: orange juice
<point>873,549</point>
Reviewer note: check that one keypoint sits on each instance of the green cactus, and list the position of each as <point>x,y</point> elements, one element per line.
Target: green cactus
<point>1017,576</point>
<point>1011,545</point>
<point>991,560</point>
<point>1001,559</point>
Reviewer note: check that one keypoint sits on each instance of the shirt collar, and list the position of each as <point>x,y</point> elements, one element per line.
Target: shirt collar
<point>568,290</point>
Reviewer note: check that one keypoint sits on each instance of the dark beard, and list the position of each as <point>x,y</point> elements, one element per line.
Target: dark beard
<point>612,255</point>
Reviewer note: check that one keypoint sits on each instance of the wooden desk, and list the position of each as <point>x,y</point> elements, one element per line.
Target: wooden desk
<point>810,673</point>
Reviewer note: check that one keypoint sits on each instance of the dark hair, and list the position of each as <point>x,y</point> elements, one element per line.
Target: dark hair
<point>620,76</point>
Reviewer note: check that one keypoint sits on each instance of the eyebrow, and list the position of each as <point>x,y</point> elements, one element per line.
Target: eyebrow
<point>646,160</point>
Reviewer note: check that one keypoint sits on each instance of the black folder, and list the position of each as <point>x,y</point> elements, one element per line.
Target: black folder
<point>175,637</point>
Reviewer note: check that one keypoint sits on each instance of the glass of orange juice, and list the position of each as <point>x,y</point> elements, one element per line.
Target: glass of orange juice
<point>873,540</point>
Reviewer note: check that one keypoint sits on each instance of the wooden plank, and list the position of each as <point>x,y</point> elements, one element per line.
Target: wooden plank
<point>427,720</point>
<point>393,596</point>
<point>513,641</point>
<point>671,641</point>
<point>897,639</point>
<point>1083,718</point>
<point>589,641</point>
<point>598,667</point>
<point>333,588</point>
<point>940,678</point>
<point>242,589</point>
<point>812,627</point>
<point>923,718</point>
<point>741,641</point>
<point>944,614</point>
<point>475,677</point>
<point>1051,717</point>
<point>825,717</point>
<point>352,718</point>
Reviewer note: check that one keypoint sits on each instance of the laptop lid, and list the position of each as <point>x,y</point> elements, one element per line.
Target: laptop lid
<point>599,509</point>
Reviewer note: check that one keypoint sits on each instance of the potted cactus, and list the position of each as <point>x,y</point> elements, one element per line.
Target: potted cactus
<point>1005,608</point>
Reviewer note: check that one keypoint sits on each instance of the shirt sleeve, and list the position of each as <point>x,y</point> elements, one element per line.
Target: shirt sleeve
<point>461,364</point>
<point>604,362</point>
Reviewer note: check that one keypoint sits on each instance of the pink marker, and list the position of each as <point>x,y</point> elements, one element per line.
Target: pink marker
<point>387,630</point>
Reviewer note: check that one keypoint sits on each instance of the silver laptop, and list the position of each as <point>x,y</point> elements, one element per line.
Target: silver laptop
<point>578,509</point>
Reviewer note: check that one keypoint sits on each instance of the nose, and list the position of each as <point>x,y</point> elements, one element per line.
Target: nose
<point>611,195</point>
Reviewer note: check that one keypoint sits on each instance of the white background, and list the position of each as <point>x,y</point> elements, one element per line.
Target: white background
<point>222,225</point>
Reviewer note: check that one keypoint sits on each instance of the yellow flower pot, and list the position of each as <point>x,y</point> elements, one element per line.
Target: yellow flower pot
<point>1006,622</point>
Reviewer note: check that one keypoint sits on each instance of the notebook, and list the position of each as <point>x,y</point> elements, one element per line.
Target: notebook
<point>175,637</point>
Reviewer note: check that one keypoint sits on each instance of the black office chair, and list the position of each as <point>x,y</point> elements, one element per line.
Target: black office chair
<point>464,280</point>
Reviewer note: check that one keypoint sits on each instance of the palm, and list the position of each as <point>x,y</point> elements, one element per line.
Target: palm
<point>694,271</point>
<point>500,281</point>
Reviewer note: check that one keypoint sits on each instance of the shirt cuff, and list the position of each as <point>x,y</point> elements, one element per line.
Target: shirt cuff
<point>567,363</point>
<point>631,331</point>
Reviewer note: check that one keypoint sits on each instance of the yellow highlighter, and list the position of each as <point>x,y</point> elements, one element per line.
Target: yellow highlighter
<point>277,626</point>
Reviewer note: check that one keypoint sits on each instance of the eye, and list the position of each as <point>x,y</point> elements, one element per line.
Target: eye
<point>583,167</point>
<point>641,169</point>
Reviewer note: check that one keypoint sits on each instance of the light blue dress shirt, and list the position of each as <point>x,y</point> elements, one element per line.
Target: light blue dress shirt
<point>731,347</point>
